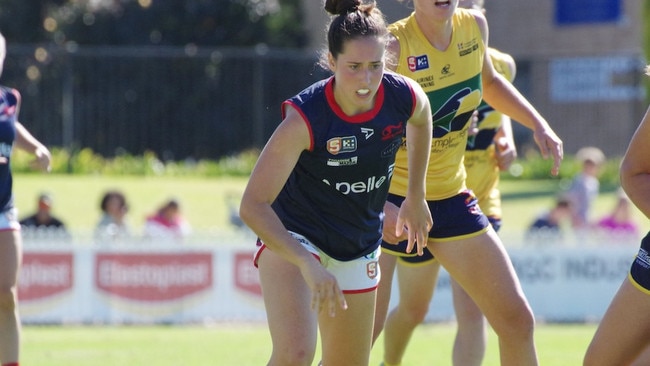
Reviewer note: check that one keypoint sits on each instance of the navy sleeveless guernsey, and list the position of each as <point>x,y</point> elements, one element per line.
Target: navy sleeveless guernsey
<point>9,104</point>
<point>337,190</point>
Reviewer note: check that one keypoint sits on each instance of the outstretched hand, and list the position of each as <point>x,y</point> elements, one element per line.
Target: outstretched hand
<point>416,218</point>
<point>326,294</point>
<point>42,160</point>
<point>550,145</point>
<point>506,154</point>
<point>391,213</point>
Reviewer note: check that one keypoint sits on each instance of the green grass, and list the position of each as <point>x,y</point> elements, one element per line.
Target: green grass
<point>203,200</point>
<point>77,198</point>
<point>242,345</point>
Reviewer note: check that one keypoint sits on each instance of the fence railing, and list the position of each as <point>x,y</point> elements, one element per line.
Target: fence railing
<point>188,102</point>
<point>177,102</point>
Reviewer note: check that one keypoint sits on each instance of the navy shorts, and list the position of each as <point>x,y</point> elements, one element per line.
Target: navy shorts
<point>640,270</point>
<point>454,218</point>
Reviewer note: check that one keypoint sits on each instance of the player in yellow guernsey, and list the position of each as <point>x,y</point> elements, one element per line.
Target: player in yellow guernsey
<point>491,149</point>
<point>444,47</point>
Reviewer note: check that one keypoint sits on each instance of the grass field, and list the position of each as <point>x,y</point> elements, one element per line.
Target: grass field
<point>77,198</point>
<point>244,344</point>
<point>204,200</point>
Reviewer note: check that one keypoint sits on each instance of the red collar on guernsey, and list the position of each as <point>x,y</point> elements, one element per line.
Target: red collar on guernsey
<point>359,118</point>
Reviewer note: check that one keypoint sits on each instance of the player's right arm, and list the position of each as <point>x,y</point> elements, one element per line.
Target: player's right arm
<point>635,167</point>
<point>275,164</point>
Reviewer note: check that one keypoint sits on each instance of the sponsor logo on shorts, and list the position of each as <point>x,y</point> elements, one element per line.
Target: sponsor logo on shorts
<point>372,269</point>
<point>643,259</point>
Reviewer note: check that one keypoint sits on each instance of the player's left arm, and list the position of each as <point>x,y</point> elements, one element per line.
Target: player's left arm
<point>505,98</point>
<point>635,167</point>
<point>506,149</point>
<point>27,142</point>
<point>414,212</point>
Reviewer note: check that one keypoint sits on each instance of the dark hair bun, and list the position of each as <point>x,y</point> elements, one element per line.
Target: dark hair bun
<point>339,7</point>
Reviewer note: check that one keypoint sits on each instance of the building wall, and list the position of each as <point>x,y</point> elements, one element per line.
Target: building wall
<point>524,28</point>
<point>527,28</point>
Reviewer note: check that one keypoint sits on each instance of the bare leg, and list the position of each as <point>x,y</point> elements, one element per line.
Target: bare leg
<point>624,331</point>
<point>471,336</point>
<point>10,260</point>
<point>347,337</point>
<point>482,267</point>
<point>416,286</point>
<point>287,299</point>
<point>643,359</point>
<point>387,264</point>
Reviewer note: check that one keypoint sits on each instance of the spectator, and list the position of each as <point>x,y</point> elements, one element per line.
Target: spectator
<point>112,226</point>
<point>619,224</point>
<point>548,224</point>
<point>42,221</point>
<point>167,222</point>
<point>585,186</point>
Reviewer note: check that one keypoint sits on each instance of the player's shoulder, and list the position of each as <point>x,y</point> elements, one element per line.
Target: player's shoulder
<point>469,15</point>
<point>10,95</point>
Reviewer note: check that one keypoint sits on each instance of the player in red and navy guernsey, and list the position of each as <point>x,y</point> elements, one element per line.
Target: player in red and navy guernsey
<point>338,188</point>
<point>316,195</point>
<point>12,133</point>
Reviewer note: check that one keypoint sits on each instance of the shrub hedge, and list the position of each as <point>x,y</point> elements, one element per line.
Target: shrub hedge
<point>85,161</point>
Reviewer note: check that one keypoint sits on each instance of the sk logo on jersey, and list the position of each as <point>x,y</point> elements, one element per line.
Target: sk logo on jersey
<point>418,62</point>
<point>338,145</point>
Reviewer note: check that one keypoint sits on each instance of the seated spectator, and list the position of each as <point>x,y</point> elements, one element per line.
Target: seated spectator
<point>548,224</point>
<point>112,225</point>
<point>619,224</point>
<point>167,222</point>
<point>42,222</point>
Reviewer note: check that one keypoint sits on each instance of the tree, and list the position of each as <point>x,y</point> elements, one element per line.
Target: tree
<point>155,22</point>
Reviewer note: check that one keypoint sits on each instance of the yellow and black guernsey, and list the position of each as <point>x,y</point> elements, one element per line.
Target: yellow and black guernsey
<point>480,162</point>
<point>452,80</point>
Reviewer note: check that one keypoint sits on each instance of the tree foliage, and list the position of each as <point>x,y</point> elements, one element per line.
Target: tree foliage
<point>276,23</point>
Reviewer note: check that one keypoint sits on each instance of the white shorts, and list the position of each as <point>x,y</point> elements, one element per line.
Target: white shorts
<point>355,276</point>
<point>9,220</point>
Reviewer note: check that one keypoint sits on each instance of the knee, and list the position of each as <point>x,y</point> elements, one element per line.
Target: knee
<point>518,325</point>
<point>293,357</point>
<point>414,313</point>
<point>7,299</point>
